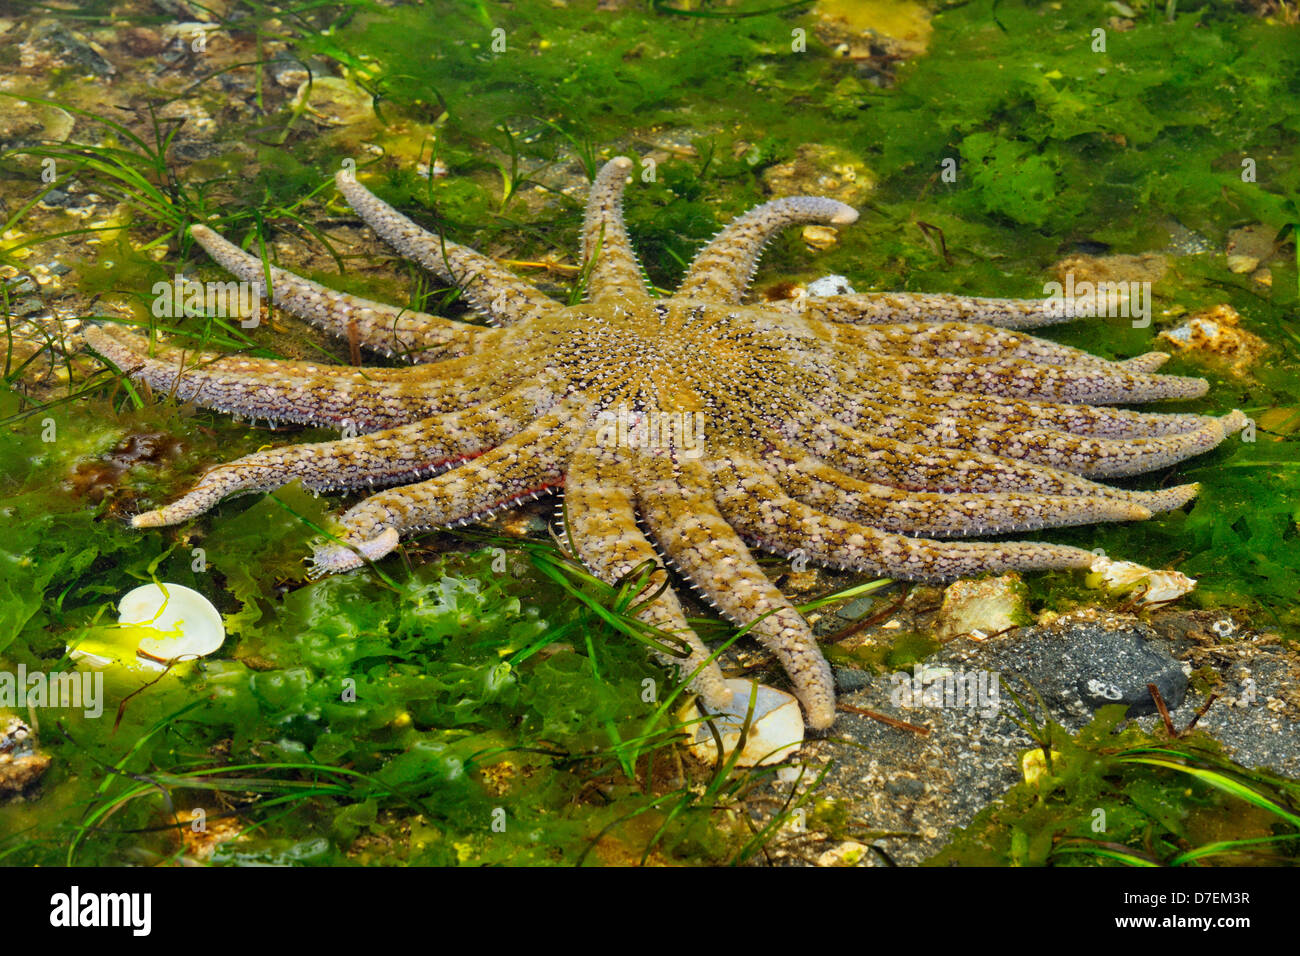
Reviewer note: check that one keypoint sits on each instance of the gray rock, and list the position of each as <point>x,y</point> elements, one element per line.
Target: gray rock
<point>850,678</point>
<point>193,150</point>
<point>906,787</point>
<point>25,307</point>
<point>1099,665</point>
<point>1170,683</point>
<point>72,48</point>
<point>856,608</point>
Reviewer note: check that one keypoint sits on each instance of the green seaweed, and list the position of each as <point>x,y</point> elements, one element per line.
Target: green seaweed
<point>1117,795</point>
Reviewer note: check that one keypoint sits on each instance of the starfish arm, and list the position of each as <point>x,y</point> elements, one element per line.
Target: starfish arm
<point>816,484</point>
<point>960,341</point>
<point>1090,457</point>
<point>497,293</point>
<point>300,392</point>
<point>795,427</point>
<point>884,461</point>
<point>869,308</point>
<point>1083,455</point>
<point>1095,421</point>
<point>383,328</point>
<point>1016,378</point>
<point>602,516</point>
<point>722,270</point>
<point>530,464</point>
<point>380,458</point>
<point>676,502</point>
<point>782,525</point>
<point>386,457</point>
<point>606,248</point>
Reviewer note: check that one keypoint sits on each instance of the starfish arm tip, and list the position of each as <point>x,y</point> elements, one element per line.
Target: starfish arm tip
<point>148,519</point>
<point>1173,498</point>
<point>844,216</point>
<point>1146,362</point>
<point>820,715</point>
<point>336,558</point>
<point>1234,421</point>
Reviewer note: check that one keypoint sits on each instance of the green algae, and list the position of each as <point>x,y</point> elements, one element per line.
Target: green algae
<point>388,694</point>
<point>1119,796</point>
<point>381,700</point>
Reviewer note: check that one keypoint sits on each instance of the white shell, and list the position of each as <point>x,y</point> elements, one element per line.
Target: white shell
<point>190,625</point>
<point>776,733</point>
<point>167,622</point>
<point>829,285</point>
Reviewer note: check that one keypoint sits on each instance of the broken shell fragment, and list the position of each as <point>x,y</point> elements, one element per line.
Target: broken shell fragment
<point>188,625</point>
<point>158,624</point>
<point>775,733</point>
<point>830,285</point>
<point>1120,577</point>
<point>820,237</point>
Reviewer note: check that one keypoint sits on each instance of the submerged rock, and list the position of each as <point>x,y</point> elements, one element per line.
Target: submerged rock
<point>51,44</point>
<point>982,607</point>
<point>1216,334</point>
<point>27,124</point>
<point>821,171</point>
<point>21,764</point>
<point>1118,268</point>
<point>960,754</point>
<point>866,29</point>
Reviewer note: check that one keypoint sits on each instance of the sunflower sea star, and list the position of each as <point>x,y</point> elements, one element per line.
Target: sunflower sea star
<point>855,429</point>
